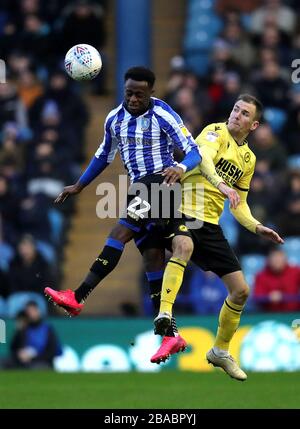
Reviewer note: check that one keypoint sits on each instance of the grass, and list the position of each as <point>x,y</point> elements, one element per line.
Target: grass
<point>167,390</point>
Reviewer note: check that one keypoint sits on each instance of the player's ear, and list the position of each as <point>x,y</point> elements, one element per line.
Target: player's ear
<point>254,125</point>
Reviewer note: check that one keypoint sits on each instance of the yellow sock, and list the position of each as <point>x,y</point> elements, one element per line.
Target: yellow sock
<point>229,320</point>
<point>172,280</point>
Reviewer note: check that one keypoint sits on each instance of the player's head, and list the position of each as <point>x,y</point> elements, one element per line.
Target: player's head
<point>245,115</point>
<point>139,82</point>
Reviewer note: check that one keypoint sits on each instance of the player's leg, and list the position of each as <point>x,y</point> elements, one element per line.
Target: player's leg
<point>229,320</point>
<point>106,262</point>
<point>230,314</point>
<point>154,263</point>
<point>126,228</point>
<point>212,252</point>
<point>182,248</point>
<point>72,302</point>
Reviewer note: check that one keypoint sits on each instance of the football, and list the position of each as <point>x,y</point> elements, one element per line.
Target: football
<point>83,62</point>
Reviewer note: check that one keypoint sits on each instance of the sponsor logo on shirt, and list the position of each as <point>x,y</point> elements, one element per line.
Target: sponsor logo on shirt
<point>211,136</point>
<point>228,171</point>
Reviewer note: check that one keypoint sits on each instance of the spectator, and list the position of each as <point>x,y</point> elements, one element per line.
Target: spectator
<point>241,48</point>
<point>4,284</point>
<point>8,212</point>
<point>84,21</point>
<point>273,89</point>
<point>289,207</point>
<point>11,107</point>
<point>53,109</point>
<point>29,271</point>
<point>262,209</point>
<point>246,6</point>
<point>29,88</point>
<point>277,287</point>
<point>33,216</point>
<point>274,12</point>
<point>268,150</point>
<point>34,344</point>
<point>291,131</point>
<point>232,89</point>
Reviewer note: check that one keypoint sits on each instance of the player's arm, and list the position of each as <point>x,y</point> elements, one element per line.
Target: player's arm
<point>173,126</point>
<point>243,214</point>
<point>209,142</point>
<point>102,158</point>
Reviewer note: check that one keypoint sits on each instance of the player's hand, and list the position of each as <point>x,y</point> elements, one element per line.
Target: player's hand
<point>231,194</point>
<point>172,175</point>
<point>67,191</point>
<point>269,234</point>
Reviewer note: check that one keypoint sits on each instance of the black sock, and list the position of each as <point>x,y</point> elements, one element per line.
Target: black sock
<point>155,285</point>
<point>104,264</point>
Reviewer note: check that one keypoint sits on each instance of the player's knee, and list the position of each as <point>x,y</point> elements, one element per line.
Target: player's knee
<point>121,233</point>
<point>241,295</point>
<point>183,247</point>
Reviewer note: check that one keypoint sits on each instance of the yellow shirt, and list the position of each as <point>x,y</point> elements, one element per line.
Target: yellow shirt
<point>223,161</point>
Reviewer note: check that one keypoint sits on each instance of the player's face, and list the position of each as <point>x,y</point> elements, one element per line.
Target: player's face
<point>137,96</point>
<point>242,118</point>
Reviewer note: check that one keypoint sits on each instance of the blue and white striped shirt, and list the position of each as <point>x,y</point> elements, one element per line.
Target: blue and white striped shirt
<point>145,142</point>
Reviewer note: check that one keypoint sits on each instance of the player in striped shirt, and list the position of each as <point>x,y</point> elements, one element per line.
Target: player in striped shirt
<point>144,130</point>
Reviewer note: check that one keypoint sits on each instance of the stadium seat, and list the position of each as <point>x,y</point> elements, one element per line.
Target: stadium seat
<point>3,307</point>
<point>294,161</point>
<point>251,265</point>
<point>6,255</point>
<point>56,220</point>
<point>46,251</point>
<point>246,19</point>
<point>17,301</point>
<point>229,225</point>
<point>197,62</point>
<point>196,7</point>
<point>275,117</point>
<point>292,249</point>
<point>207,292</point>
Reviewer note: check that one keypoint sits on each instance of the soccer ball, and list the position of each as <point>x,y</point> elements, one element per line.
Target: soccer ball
<point>83,62</point>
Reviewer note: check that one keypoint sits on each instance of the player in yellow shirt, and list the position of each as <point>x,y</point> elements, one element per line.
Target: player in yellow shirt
<point>227,168</point>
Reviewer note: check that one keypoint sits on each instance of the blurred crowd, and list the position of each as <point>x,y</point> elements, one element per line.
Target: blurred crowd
<point>42,123</point>
<point>43,119</point>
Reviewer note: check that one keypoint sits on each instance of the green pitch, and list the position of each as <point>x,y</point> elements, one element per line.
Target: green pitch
<point>174,390</point>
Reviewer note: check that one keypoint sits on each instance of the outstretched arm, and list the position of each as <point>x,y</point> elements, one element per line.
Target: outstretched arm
<point>104,156</point>
<point>96,166</point>
<point>244,216</point>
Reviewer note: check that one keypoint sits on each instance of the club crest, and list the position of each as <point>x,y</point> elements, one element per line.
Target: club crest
<point>145,124</point>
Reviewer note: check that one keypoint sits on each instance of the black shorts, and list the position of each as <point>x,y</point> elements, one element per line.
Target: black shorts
<point>149,202</point>
<point>212,251</point>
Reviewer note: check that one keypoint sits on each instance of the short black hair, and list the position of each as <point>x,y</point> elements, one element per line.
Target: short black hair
<point>140,73</point>
<point>252,100</point>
